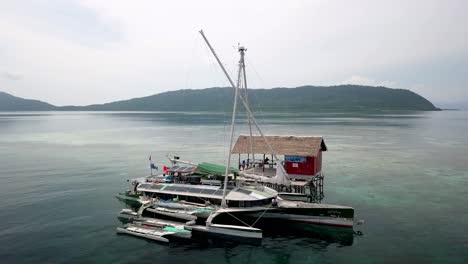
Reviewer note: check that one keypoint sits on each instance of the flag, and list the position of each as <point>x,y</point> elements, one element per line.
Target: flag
<point>152,166</point>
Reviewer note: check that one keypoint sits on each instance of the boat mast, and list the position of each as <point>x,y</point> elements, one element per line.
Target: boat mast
<point>248,116</point>
<point>247,108</point>
<point>234,109</point>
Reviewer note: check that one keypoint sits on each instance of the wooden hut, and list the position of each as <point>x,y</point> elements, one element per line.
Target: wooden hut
<point>302,154</point>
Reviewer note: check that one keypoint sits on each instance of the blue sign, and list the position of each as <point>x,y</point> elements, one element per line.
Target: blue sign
<point>295,158</point>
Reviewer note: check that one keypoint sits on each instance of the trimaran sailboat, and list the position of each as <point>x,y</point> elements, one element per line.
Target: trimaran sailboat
<point>235,230</point>
<point>228,211</point>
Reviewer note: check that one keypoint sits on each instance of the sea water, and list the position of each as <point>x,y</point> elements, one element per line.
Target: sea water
<point>405,173</point>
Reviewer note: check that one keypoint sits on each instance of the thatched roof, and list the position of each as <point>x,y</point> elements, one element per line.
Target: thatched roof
<point>282,145</point>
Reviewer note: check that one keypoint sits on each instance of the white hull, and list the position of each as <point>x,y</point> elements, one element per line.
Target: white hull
<point>285,212</point>
<point>313,220</point>
<point>158,223</point>
<point>229,231</point>
<point>172,213</point>
<point>144,233</point>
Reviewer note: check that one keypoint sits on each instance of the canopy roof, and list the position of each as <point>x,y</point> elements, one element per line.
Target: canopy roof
<point>181,169</point>
<point>206,168</point>
<point>282,145</point>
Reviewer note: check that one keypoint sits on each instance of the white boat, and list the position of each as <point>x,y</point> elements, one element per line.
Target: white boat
<point>179,214</point>
<point>197,210</point>
<point>154,229</point>
<point>159,223</point>
<point>233,231</point>
<point>255,200</point>
<point>296,212</point>
<point>209,196</point>
<point>230,231</point>
<point>129,212</point>
<point>232,204</point>
<point>127,215</point>
<point>147,233</point>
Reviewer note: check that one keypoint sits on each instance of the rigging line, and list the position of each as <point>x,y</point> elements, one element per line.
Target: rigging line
<point>233,116</point>
<point>257,110</point>
<point>188,73</point>
<point>225,122</point>
<point>201,199</point>
<point>232,67</point>
<point>266,209</point>
<point>251,65</point>
<point>238,219</point>
<point>221,83</point>
<point>211,64</point>
<point>214,205</point>
<point>227,114</point>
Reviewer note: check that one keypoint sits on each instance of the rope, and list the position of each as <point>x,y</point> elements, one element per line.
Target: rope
<point>264,211</point>
<point>189,69</point>
<point>203,200</point>
<point>238,219</point>
<point>261,215</point>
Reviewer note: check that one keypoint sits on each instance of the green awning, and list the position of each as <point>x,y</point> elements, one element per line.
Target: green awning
<point>206,168</point>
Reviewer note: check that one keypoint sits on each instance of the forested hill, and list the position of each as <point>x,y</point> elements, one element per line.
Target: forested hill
<point>9,102</point>
<point>305,98</point>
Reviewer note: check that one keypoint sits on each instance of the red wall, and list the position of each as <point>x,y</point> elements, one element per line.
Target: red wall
<point>311,167</point>
<point>293,170</point>
<point>318,162</point>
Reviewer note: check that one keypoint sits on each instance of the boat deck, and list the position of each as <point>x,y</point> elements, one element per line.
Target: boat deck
<point>299,204</point>
<point>271,172</point>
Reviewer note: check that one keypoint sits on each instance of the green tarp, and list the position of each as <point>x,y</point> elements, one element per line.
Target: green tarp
<point>206,168</point>
<point>175,230</point>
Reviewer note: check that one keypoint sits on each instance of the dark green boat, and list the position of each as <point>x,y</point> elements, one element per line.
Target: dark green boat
<point>130,199</point>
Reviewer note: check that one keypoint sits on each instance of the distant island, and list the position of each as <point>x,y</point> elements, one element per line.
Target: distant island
<point>9,102</point>
<point>304,98</point>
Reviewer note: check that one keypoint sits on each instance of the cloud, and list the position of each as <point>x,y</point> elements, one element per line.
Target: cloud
<point>104,52</point>
<point>11,76</point>
<point>362,80</point>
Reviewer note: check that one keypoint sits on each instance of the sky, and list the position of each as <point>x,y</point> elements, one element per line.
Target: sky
<point>80,52</point>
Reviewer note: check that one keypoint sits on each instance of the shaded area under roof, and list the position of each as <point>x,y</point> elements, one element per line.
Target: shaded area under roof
<point>282,145</point>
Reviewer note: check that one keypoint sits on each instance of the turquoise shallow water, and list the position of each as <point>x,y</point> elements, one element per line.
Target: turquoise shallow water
<point>406,174</point>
